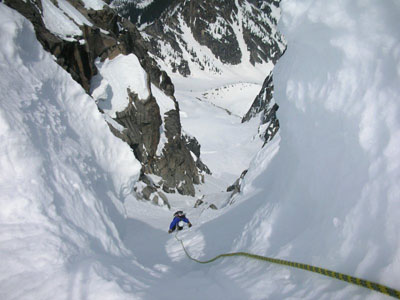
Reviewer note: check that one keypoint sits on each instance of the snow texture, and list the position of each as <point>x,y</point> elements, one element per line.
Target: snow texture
<point>62,182</point>
<point>72,12</point>
<point>94,4</point>
<point>330,196</point>
<point>58,22</point>
<point>164,102</point>
<point>227,145</point>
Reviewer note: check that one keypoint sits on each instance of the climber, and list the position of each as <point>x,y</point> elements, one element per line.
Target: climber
<point>177,222</point>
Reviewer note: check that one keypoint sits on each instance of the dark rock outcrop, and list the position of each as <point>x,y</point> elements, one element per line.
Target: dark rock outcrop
<point>201,202</point>
<point>142,121</point>
<point>147,190</point>
<point>72,56</point>
<point>235,187</point>
<point>176,166</point>
<point>213,206</point>
<point>194,146</point>
<point>262,105</point>
<point>199,14</point>
<point>198,203</point>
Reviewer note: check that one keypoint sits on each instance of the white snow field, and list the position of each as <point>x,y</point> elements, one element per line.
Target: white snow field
<point>325,191</point>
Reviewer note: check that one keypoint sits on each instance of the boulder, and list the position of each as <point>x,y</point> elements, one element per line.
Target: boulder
<point>212,206</point>
<point>198,203</point>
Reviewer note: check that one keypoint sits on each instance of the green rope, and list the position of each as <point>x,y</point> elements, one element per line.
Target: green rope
<point>340,276</point>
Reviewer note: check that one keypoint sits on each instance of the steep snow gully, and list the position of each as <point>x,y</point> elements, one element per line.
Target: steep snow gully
<point>325,191</point>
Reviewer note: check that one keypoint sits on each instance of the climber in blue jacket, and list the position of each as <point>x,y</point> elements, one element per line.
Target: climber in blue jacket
<point>177,222</point>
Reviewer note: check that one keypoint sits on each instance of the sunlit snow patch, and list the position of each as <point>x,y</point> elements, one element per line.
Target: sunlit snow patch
<point>73,13</point>
<point>115,77</point>
<point>93,4</point>
<point>57,22</point>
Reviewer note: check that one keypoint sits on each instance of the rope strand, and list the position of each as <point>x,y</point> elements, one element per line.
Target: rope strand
<point>340,276</point>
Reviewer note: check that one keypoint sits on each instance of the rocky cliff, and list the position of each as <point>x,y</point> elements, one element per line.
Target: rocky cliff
<point>265,106</point>
<point>233,32</point>
<point>81,35</point>
<point>188,36</point>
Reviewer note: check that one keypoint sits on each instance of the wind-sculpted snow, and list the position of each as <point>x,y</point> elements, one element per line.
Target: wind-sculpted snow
<point>330,196</point>
<point>62,182</point>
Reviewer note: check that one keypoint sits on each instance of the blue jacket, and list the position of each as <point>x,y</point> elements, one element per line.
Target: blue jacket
<point>176,221</point>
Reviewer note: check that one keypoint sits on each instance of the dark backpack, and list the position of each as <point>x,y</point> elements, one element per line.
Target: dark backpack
<point>179,214</point>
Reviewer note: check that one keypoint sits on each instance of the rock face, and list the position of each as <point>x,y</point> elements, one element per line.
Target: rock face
<point>142,121</point>
<point>176,166</point>
<point>264,105</point>
<point>235,187</point>
<point>196,14</point>
<point>193,145</point>
<point>147,189</point>
<point>141,11</point>
<point>106,35</point>
<point>234,31</point>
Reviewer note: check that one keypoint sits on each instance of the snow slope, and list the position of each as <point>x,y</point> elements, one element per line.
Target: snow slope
<point>63,181</point>
<point>227,145</point>
<point>331,194</point>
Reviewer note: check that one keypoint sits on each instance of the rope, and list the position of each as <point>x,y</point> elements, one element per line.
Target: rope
<point>340,276</point>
